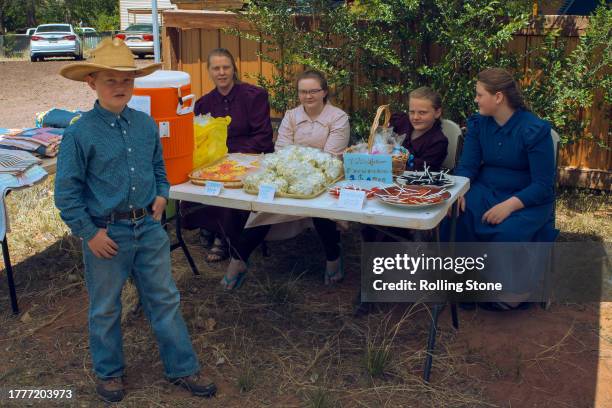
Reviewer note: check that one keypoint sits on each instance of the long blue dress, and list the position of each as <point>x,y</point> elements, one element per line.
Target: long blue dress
<point>516,159</point>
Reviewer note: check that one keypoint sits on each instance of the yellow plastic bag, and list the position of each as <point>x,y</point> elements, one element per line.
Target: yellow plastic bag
<point>210,140</point>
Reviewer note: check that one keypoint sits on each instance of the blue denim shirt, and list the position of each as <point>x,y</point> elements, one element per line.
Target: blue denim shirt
<point>108,162</point>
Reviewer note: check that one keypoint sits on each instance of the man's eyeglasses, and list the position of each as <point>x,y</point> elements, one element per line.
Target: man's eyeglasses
<point>310,92</point>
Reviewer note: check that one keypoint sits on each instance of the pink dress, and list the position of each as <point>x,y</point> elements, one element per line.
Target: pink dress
<point>330,132</point>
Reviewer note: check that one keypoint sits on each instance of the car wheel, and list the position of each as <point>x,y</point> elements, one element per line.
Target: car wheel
<point>33,58</point>
<point>78,57</point>
<point>141,56</point>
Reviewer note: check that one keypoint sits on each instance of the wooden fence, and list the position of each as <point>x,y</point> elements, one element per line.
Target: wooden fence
<point>189,35</point>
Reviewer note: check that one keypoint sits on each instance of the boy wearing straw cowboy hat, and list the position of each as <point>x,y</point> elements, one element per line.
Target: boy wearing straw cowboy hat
<point>111,190</point>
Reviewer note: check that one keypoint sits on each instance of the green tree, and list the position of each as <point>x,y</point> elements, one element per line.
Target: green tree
<point>399,44</point>
<point>567,86</point>
<point>300,34</point>
<point>20,14</point>
<point>388,47</point>
<point>3,5</point>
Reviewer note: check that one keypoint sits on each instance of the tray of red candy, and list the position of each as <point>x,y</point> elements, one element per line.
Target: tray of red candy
<point>411,196</point>
<point>370,187</point>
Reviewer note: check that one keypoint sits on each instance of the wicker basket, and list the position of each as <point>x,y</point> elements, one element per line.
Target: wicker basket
<point>398,164</point>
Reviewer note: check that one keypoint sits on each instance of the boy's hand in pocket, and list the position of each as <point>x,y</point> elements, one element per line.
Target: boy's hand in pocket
<point>102,246</point>
<point>159,206</point>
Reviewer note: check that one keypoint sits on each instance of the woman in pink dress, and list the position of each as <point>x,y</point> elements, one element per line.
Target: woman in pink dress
<point>314,123</point>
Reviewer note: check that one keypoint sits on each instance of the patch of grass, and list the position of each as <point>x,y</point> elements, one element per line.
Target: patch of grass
<point>319,398</point>
<point>377,359</point>
<point>35,222</point>
<point>584,215</point>
<point>280,292</point>
<point>246,378</point>
<point>17,57</point>
<point>379,342</point>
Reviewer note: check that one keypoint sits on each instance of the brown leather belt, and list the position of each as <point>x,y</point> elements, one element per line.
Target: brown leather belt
<point>132,215</point>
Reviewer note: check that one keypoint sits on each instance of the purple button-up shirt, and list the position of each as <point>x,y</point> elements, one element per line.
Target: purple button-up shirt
<point>431,147</point>
<point>250,130</point>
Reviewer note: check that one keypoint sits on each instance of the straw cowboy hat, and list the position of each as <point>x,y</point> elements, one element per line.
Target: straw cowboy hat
<point>109,54</point>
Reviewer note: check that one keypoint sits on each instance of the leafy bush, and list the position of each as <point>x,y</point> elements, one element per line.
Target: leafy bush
<point>385,48</point>
<point>13,46</point>
<point>107,22</point>
<point>566,84</point>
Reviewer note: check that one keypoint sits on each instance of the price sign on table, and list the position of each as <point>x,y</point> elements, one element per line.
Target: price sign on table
<point>266,193</point>
<point>351,199</point>
<point>213,188</point>
<point>371,167</point>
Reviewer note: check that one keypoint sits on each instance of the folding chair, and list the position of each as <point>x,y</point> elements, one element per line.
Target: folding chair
<point>549,233</point>
<point>453,133</point>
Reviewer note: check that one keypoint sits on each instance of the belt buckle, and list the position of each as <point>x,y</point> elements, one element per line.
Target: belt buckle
<point>136,217</point>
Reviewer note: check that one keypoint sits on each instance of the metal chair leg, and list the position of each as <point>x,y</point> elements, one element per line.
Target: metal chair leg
<point>454,316</point>
<point>9,276</point>
<point>431,343</point>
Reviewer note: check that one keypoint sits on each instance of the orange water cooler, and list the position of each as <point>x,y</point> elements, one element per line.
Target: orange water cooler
<point>167,97</point>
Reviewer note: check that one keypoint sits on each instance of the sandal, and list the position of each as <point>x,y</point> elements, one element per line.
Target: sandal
<point>233,283</point>
<point>503,306</point>
<point>219,252</point>
<point>236,282</point>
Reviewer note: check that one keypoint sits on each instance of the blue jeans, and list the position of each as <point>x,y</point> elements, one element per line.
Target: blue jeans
<point>144,252</point>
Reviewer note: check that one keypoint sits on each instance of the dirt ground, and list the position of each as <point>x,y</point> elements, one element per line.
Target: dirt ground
<point>30,87</point>
<point>284,340</point>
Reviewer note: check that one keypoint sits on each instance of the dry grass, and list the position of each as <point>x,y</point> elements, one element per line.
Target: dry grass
<point>19,57</point>
<point>283,340</point>
<point>584,215</point>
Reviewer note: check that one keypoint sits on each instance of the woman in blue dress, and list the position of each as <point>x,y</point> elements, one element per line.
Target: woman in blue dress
<point>508,156</point>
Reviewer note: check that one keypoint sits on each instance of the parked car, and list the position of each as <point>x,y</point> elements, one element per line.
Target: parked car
<point>138,38</point>
<point>86,30</point>
<point>55,40</point>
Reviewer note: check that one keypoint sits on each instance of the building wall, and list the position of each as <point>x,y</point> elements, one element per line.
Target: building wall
<point>124,5</point>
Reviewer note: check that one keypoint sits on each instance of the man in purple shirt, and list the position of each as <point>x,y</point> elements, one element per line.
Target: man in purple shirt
<point>250,131</point>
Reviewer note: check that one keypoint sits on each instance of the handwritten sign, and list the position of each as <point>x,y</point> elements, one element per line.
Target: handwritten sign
<point>351,199</point>
<point>371,167</point>
<point>266,193</point>
<point>213,188</point>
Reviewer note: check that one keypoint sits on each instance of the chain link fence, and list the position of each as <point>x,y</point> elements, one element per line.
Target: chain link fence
<point>14,46</point>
